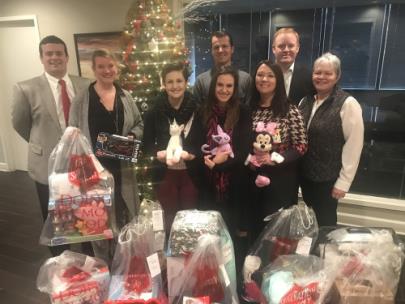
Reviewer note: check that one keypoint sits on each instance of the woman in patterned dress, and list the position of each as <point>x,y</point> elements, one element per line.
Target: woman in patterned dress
<point>271,105</point>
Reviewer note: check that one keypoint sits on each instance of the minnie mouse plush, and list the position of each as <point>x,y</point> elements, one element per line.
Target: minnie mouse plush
<point>261,147</point>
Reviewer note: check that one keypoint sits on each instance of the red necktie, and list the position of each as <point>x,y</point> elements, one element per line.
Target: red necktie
<point>65,100</point>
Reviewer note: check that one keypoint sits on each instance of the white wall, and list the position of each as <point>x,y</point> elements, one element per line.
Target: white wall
<point>64,18</point>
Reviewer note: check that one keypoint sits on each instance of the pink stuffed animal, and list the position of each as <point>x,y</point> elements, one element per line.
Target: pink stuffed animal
<point>222,139</point>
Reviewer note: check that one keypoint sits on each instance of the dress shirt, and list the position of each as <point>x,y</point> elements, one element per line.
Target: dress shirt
<point>287,78</point>
<point>56,92</point>
<point>353,133</point>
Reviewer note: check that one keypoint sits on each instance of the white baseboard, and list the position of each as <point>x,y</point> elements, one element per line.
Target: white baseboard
<point>4,167</point>
<point>371,211</point>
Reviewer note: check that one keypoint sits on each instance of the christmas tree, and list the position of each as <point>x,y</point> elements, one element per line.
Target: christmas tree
<point>151,39</point>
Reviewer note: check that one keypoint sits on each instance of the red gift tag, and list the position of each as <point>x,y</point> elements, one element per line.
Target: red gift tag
<point>301,295</point>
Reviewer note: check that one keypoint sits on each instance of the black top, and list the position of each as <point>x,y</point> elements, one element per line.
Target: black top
<point>236,201</point>
<point>156,132</point>
<point>102,120</point>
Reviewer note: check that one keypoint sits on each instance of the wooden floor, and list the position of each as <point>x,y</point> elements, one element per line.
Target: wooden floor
<point>20,227</point>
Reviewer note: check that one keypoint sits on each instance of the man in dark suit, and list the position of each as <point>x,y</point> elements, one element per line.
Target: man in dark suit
<point>297,78</point>
<point>40,113</point>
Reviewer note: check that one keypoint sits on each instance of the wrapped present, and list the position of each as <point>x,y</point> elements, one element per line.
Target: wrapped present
<point>369,262</point>
<point>136,271</point>
<point>117,146</point>
<point>74,278</point>
<point>80,194</point>
<point>189,226</point>
<point>289,231</point>
<point>297,279</point>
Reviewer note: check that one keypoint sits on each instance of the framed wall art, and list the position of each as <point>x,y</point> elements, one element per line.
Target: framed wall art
<point>87,43</point>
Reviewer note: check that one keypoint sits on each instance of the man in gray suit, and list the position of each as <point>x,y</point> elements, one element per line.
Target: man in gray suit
<point>40,112</point>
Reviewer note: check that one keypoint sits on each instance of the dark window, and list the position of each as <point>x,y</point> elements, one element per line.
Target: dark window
<point>394,59</point>
<point>198,41</point>
<point>354,35</point>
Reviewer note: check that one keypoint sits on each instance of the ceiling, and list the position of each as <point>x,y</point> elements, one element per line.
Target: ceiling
<point>235,6</point>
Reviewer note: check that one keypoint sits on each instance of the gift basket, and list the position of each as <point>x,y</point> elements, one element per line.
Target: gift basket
<point>80,194</point>
<point>74,278</point>
<point>288,231</point>
<point>298,279</point>
<point>370,264</point>
<point>205,279</point>
<point>188,226</point>
<point>136,272</point>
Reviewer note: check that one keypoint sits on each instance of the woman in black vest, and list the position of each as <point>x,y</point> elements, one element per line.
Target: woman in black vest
<point>270,105</point>
<point>335,139</point>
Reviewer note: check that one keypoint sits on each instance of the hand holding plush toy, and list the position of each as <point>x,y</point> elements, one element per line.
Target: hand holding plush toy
<point>262,148</point>
<point>174,151</point>
<point>222,139</point>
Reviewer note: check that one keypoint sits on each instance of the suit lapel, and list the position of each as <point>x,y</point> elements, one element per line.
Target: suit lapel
<point>294,82</point>
<point>49,100</point>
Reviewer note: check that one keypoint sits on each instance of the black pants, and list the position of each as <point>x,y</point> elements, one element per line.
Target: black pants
<point>318,195</point>
<point>43,195</point>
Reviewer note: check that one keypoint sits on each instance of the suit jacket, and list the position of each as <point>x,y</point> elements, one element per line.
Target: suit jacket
<point>34,117</point>
<point>301,84</point>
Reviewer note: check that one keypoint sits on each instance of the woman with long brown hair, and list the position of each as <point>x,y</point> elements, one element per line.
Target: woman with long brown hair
<point>224,181</point>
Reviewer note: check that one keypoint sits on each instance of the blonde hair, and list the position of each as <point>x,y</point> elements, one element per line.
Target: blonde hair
<point>103,53</point>
<point>286,30</point>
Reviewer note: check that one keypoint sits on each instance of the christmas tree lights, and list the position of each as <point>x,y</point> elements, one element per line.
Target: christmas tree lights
<point>152,39</point>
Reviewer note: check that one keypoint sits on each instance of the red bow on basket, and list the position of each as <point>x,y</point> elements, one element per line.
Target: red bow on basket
<point>208,281</point>
<point>82,171</point>
<point>138,279</point>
